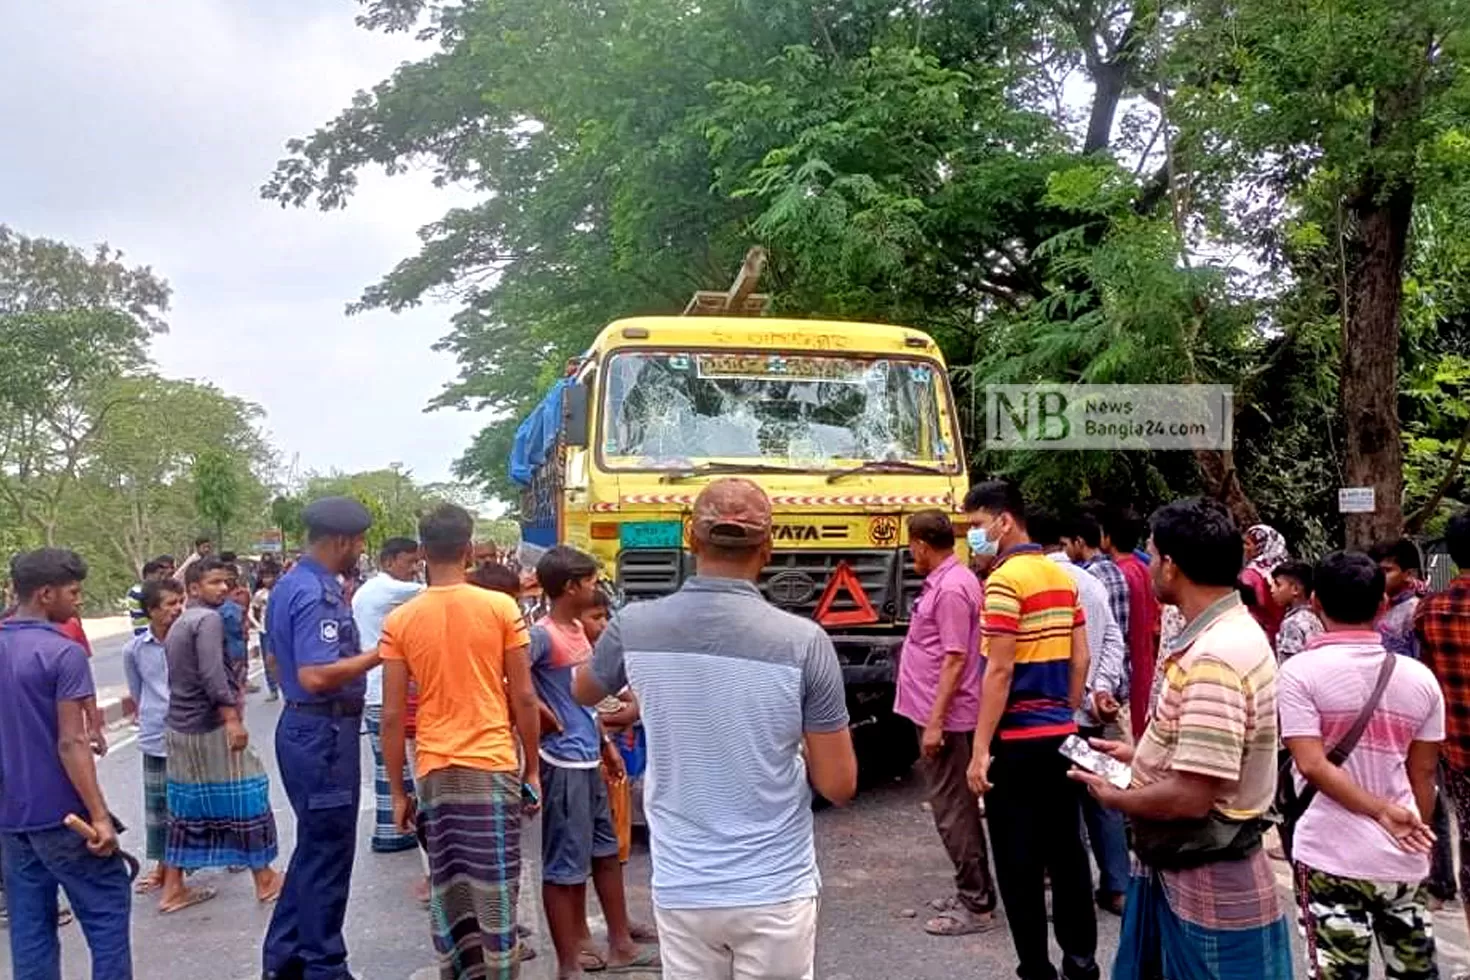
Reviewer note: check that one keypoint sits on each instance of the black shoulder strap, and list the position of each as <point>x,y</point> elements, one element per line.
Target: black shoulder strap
<point>1349,741</point>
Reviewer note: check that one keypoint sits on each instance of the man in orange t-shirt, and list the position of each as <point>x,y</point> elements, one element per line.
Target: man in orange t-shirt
<point>465,649</point>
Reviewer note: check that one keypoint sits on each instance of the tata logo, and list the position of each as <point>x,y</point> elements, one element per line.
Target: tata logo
<point>795,532</point>
<point>791,588</point>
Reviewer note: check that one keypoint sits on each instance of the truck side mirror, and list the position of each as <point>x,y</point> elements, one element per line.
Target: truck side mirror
<point>574,415</point>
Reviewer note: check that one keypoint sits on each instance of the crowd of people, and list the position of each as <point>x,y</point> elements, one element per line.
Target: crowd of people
<point>1240,687</point>
<point>1230,685</point>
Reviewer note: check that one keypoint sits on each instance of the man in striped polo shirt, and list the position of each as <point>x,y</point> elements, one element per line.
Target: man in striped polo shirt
<point>732,689</point>
<point>1034,644</point>
<point>1202,901</point>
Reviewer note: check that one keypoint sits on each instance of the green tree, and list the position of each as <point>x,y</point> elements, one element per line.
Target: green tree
<point>1349,113</point>
<point>217,490</point>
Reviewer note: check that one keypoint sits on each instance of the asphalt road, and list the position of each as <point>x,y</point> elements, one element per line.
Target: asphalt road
<point>880,859</point>
<point>107,665</point>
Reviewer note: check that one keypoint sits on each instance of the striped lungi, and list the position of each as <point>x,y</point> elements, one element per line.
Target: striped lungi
<point>386,838</point>
<point>219,804</point>
<point>155,804</point>
<point>471,824</point>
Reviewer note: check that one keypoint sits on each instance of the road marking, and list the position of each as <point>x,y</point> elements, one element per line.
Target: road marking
<point>132,736</point>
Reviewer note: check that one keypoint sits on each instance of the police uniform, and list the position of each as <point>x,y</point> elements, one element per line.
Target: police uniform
<point>318,754</point>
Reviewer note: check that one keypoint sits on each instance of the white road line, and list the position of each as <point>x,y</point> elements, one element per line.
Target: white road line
<point>132,736</point>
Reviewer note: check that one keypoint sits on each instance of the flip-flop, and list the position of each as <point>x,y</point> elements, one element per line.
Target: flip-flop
<point>646,961</point>
<point>192,897</point>
<point>148,885</point>
<point>524,952</point>
<point>641,933</point>
<point>960,922</point>
<point>590,961</point>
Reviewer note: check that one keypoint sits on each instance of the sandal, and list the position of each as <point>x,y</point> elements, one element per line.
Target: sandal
<point>647,961</point>
<point>192,897</point>
<point>960,921</point>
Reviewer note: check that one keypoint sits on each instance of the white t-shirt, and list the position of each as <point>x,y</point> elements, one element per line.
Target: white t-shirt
<point>1320,692</point>
<point>371,604</point>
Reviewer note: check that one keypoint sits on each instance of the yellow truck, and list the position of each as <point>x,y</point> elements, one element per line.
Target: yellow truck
<point>849,427</point>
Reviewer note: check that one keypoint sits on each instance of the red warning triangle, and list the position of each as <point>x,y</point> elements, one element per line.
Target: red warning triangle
<point>845,579</point>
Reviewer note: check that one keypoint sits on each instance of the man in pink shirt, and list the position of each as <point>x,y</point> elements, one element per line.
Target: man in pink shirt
<point>1362,846</point>
<point>939,691</point>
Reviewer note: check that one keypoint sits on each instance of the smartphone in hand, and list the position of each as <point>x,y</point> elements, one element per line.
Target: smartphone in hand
<point>1089,758</point>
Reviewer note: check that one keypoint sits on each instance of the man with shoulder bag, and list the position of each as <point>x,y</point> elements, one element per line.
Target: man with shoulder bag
<point>1355,819</point>
<point>1202,903</point>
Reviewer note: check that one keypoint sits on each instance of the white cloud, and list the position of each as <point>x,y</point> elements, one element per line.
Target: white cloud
<point>152,126</point>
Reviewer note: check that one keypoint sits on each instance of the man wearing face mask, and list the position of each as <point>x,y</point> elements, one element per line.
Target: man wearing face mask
<point>1035,662</point>
<point>939,691</point>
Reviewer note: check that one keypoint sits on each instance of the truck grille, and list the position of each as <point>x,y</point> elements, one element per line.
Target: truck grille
<point>649,574</point>
<point>796,580</point>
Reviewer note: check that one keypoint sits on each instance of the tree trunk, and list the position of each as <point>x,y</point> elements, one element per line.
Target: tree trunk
<point>1108,78</point>
<point>1370,363</point>
<point>1222,481</point>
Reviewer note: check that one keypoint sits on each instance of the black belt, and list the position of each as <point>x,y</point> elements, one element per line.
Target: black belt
<point>328,709</point>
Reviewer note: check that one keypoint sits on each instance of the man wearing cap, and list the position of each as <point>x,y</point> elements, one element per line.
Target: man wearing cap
<point>322,675</point>
<point>734,871</point>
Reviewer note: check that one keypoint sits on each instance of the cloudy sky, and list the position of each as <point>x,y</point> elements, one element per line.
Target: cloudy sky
<point>151,124</point>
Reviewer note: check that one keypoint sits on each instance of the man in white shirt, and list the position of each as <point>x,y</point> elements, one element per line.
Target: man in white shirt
<point>395,584</point>
<point>1107,685</point>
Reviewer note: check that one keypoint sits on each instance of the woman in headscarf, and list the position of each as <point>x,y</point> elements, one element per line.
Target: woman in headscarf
<point>1265,548</point>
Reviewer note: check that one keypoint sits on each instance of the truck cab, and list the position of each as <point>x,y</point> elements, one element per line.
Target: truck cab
<point>849,428</point>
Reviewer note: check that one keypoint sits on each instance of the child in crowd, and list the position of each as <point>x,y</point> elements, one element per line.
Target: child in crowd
<point>619,715</point>
<point>577,835</point>
<point>1291,588</point>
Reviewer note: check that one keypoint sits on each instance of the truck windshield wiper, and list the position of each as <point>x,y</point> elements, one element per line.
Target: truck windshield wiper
<point>704,469</point>
<point>886,466</point>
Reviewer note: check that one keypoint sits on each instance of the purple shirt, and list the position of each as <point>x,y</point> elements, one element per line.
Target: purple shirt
<point>39,668</point>
<point>946,618</point>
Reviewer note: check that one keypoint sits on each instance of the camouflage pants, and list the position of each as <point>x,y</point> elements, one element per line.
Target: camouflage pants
<point>1344,916</point>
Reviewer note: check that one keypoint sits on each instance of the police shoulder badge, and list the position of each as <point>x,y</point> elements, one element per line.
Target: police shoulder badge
<point>329,631</point>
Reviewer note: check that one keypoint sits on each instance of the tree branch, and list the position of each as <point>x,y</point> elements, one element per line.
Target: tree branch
<point>1420,517</point>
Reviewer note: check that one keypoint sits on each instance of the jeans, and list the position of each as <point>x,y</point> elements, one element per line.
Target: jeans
<point>1034,812</point>
<point>101,898</point>
<point>1441,881</point>
<point>1108,834</point>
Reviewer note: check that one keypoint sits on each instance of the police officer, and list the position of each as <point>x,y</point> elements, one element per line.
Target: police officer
<point>322,676</point>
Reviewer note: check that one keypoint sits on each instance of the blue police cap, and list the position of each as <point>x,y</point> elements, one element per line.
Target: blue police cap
<point>336,515</point>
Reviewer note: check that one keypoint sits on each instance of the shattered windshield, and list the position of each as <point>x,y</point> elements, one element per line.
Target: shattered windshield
<point>667,410</point>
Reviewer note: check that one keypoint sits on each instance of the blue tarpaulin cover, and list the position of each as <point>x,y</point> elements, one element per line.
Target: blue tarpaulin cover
<point>536,436</point>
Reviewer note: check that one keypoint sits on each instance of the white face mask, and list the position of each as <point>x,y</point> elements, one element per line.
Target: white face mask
<point>980,543</point>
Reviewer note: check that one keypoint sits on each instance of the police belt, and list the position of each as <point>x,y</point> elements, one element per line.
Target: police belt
<point>328,709</point>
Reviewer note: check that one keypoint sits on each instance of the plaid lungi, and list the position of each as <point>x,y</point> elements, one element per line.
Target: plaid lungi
<point>470,821</point>
<point>386,838</point>
<point>155,804</point>
<point>219,804</point>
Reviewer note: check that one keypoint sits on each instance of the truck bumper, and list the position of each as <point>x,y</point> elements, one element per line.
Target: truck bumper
<point>868,660</point>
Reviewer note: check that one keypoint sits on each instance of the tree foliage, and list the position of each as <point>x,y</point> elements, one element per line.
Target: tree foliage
<point>1140,191</point>
<point>97,452</point>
